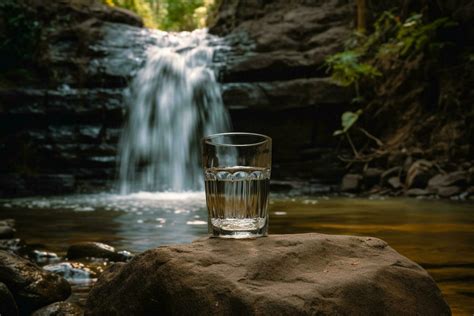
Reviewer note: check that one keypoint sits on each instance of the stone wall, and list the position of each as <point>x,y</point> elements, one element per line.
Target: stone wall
<point>61,128</point>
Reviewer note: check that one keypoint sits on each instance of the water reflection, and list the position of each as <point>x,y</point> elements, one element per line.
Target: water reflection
<point>134,222</point>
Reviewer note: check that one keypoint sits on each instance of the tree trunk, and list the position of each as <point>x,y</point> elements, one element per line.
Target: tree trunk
<point>361,16</point>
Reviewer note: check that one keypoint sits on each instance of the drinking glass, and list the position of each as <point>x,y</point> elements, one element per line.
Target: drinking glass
<point>237,169</point>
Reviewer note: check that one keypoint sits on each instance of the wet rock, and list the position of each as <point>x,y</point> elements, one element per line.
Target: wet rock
<point>43,256</point>
<point>372,177</point>
<point>278,275</point>
<point>7,229</point>
<point>95,250</point>
<point>436,181</point>
<point>417,192</point>
<point>449,191</point>
<point>7,302</point>
<point>74,272</point>
<point>14,245</point>
<point>351,183</point>
<point>394,183</point>
<point>389,173</point>
<point>31,286</point>
<point>460,178</point>
<point>419,173</point>
<point>59,309</point>
<point>126,255</point>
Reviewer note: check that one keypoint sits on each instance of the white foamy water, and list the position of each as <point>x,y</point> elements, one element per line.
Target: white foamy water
<point>174,100</point>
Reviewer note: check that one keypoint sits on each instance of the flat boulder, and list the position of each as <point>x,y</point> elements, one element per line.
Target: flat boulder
<point>31,286</point>
<point>301,274</point>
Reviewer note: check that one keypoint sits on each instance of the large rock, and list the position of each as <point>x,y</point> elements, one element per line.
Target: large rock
<point>419,173</point>
<point>351,183</point>
<point>304,274</point>
<point>7,302</point>
<point>80,10</point>
<point>445,180</point>
<point>280,39</point>
<point>31,286</point>
<point>278,95</point>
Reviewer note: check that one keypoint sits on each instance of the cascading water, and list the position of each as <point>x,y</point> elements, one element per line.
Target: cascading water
<point>174,100</point>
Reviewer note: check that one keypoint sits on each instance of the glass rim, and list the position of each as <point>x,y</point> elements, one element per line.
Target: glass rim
<point>208,139</point>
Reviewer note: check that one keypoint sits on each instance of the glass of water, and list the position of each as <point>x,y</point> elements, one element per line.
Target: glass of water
<point>237,170</point>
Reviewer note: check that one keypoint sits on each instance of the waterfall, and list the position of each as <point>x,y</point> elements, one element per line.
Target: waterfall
<point>173,101</point>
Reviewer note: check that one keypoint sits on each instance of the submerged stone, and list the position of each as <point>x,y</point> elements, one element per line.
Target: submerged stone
<point>74,272</point>
<point>278,275</point>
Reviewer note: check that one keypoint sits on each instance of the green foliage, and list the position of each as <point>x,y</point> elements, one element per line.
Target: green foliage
<point>392,39</point>
<point>179,15</point>
<point>397,49</point>
<point>347,69</point>
<point>170,15</point>
<point>348,119</point>
<point>19,35</point>
<point>414,36</point>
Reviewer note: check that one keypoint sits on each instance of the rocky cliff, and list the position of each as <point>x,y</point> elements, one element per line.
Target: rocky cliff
<point>274,81</point>
<point>60,118</point>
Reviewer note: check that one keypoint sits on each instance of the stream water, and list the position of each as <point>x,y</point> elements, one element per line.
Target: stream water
<point>439,235</point>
